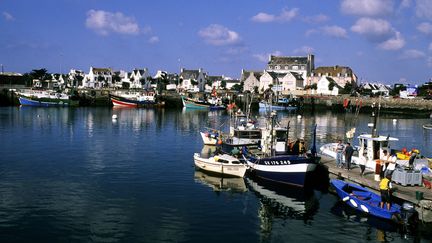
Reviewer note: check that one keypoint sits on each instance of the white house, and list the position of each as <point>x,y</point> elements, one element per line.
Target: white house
<point>190,76</point>
<point>291,81</point>
<point>231,82</point>
<point>250,79</point>
<point>140,78</point>
<point>323,86</point>
<point>98,78</point>
<point>75,77</point>
<point>340,74</point>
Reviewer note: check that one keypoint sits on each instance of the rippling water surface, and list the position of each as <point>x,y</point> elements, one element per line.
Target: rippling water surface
<point>77,175</point>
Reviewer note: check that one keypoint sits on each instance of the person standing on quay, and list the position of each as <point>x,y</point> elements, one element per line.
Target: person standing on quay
<point>339,152</point>
<point>349,151</point>
<point>385,187</point>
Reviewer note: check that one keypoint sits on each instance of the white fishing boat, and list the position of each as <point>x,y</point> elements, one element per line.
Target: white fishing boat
<point>223,164</point>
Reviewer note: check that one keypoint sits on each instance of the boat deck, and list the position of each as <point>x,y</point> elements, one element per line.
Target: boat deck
<point>406,193</point>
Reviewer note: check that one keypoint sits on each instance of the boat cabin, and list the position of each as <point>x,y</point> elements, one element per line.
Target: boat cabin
<point>372,148</point>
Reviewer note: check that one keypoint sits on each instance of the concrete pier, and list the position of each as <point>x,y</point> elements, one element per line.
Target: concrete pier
<point>406,193</point>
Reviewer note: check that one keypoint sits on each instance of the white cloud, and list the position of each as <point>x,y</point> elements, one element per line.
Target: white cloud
<point>425,28</point>
<point>373,29</point>
<point>8,17</point>
<point>316,19</point>
<point>104,23</point>
<point>424,9</point>
<point>367,7</point>
<point>394,43</point>
<point>285,16</point>
<point>334,31</point>
<point>153,40</point>
<point>405,4</point>
<point>304,50</point>
<point>264,57</point>
<point>412,54</point>
<point>429,61</point>
<point>219,35</point>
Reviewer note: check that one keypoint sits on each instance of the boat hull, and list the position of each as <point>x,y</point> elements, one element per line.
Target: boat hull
<point>200,105</point>
<point>292,170</point>
<point>276,107</point>
<point>364,200</point>
<point>119,101</point>
<point>210,165</point>
<point>44,102</point>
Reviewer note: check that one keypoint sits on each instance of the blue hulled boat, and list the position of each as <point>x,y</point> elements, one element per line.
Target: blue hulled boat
<point>364,200</point>
<point>44,98</point>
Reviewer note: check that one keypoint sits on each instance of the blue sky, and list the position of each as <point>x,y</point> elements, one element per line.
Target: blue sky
<point>385,41</point>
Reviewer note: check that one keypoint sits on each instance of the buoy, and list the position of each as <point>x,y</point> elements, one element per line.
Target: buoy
<point>114,116</point>
<point>299,116</point>
<point>364,208</point>
<point>394,120</point>
<point>345,198</point>
<point>353,203</point>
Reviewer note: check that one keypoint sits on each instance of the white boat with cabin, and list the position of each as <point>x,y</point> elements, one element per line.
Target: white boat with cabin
<point>223,164</point>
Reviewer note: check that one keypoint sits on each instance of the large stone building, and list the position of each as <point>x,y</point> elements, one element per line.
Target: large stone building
<point>298,64</point>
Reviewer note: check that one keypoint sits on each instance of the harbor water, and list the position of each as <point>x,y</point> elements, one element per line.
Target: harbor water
<point>78,175</point>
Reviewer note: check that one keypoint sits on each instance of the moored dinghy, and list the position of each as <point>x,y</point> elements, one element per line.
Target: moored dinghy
<point>364,200</point>
<point>223,164</point>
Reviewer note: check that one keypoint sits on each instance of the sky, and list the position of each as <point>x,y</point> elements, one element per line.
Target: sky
<point>387,41</point>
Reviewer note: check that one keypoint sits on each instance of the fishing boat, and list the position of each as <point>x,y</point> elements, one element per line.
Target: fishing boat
<point>194,103</point>
<point>274,162</point>
<point>220,183</point>
<point>45,98</point>
<point>134,99</point>
<point>223,164</point>
<point>364,200</point>
<point>279,104</point>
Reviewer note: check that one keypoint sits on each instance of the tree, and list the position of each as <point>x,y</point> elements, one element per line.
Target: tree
<point>223,84</point>
<point>194,82</point>
<point>238,87</point>
<point>41,74</point>
<point>116,78</point>
<point>347,89</point>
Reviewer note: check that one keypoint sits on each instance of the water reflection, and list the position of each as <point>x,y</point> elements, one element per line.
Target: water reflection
<point>218,183</point>
<point>282,203</point>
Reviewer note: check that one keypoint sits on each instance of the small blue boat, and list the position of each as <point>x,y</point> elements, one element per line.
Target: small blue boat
<point>364,200</point>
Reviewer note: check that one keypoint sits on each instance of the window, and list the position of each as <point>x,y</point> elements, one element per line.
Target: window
<point>295,67</point>
<point>303,67</point>
<point>286,67</point>
<point>278,67</point>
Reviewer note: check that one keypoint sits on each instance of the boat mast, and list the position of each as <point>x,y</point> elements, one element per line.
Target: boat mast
<point>375,113</point>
